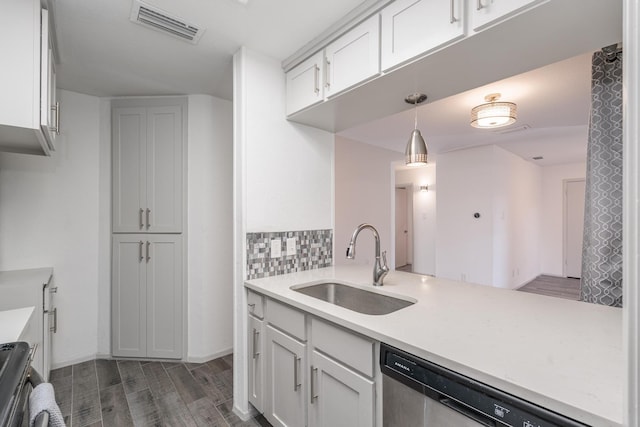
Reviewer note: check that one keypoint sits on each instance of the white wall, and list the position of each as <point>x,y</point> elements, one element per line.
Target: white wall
<point>551,246</point>
<point>209,238</point>
<point>463,243</point>
<point>424,216</point>
<point>288,165</point>
<point>516,220</point>
<point>363,182</point>
<point>501,247</point>
<point>283,179</point>
<point>49,216</point>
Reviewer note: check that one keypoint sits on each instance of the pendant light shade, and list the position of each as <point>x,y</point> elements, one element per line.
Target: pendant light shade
<point>494,114</point>
<point>416,152</point>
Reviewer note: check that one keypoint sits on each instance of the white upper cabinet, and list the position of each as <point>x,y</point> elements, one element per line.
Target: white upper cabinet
<point>483,13</point>
<point>148,139</point>
<point>353,58</point>
<point>411,28</point>
<point>305,84</point>
<point>27,88</point>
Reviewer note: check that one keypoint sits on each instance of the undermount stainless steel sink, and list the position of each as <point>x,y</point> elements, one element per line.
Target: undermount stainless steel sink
<point>353,298</point>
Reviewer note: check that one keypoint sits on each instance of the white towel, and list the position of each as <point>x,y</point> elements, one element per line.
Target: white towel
<point>43,399</point>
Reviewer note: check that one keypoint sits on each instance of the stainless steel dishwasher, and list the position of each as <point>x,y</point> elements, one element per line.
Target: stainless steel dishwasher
<point>418,393</point>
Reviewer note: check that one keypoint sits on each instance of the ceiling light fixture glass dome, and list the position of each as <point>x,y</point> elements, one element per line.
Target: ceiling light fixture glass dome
<point>494,114</point>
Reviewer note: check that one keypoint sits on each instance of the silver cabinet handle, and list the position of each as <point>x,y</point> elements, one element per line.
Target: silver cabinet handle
<point>141,243</point>
<point>141,220</point>
<point>327,72</point>
<point>256,334</point>
<point>53,290</point>
<point>56,108</point>
<point>316,79</point>
<point>479,5</point>
<point>314,396</point>
<point>148,251</point>
<point>296,372</point>
<point>148,218</point>
<point>452,17</point>
<point>53,313</point>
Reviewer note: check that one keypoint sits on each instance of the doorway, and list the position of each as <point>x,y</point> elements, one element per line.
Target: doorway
<point>574,190</point>
<point>403,228</point>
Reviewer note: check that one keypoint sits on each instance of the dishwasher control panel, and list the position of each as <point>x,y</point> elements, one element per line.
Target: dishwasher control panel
<point>487,405</point>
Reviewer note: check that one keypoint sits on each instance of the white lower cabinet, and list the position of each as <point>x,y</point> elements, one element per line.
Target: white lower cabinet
<point>286,385</point>
<point>146,298</point>
<point>316,373</point>
<point>340,397</point>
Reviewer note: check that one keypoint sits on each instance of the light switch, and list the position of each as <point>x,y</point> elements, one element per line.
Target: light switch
<point>291,246</point>
<point>276,248</point>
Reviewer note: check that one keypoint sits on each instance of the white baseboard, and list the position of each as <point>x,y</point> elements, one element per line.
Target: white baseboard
<point>69,362</point>
<point>245,416</point>
<point>202,359</point>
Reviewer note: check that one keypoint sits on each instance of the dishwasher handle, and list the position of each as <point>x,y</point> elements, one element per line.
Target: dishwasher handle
<point>464,410</point>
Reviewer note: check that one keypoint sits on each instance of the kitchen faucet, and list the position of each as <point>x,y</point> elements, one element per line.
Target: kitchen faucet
<point>379,269</point>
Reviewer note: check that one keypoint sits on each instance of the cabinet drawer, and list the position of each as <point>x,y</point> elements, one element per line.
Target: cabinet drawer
<point>353,350</point>
<point>286,318</point>
<point>255,304</point>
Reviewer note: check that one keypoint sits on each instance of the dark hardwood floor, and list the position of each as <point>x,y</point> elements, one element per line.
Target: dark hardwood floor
<point>139,393</point>
<point>561,287</point>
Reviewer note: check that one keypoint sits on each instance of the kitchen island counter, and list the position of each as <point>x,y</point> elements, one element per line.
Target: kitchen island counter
<point>564,355</point>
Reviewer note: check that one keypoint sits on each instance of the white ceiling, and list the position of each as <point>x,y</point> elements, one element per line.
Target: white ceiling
<point>102,53</point>
<point>553,101</point>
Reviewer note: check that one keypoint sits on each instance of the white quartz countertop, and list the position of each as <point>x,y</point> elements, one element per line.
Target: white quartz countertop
<point>564,355</point>
<point>13,323</point>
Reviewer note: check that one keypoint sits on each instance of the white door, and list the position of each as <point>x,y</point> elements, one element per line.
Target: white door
<point>128,299</point>
<point>163,211</point>
<point>129,134</point>
<point>573,225</point>
<point>353,58</point>
<point>339,396</point>
<point>402,230</point>
<point>411,28</point>
<point>304,84</point>
<point>163,258</point>
<point>285,391</point>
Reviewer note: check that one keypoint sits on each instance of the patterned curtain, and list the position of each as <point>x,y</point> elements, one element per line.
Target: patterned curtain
<point>602,242</point>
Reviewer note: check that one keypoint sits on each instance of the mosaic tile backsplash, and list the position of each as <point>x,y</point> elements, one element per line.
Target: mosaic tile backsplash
<point>313,250</point>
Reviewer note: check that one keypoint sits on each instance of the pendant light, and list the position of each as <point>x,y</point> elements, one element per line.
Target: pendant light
<point>494,114</point>
<point>416,151</point>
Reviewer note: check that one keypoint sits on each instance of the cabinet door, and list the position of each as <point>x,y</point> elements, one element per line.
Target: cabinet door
<point>129,135</point>
<point>128,298</point>
<point>411,28</point>
<point>163,259</point>
<point>256,363</point>
<point>304,84</point>
<point>285,380</point>
<point>353,58</point>
<point>339,396</point>
<point>163,210</point>
<point>487,12</point>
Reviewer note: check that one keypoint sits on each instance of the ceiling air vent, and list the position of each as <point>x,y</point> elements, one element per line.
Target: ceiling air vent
<point>157,19</point>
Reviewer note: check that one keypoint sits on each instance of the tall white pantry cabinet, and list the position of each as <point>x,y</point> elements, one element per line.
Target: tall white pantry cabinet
<point>148,165</point>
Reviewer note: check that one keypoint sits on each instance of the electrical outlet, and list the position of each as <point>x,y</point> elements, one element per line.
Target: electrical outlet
<point>276,248</point>
<point>291,246</point>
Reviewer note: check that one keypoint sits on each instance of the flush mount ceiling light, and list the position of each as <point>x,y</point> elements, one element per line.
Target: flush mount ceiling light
<point>416,151</point>
<point>494,114</point>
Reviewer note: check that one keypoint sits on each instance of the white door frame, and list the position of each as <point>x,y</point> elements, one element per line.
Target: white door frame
<point>565,221</point>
